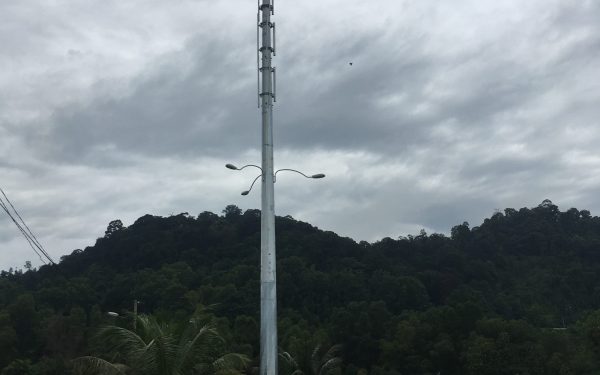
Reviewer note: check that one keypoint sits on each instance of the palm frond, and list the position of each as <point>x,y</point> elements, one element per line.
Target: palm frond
<point>165,352</point>
<point>231,361</point>
<point>152,345</point>
<point>93,365</point>
<point>227,372</point>
<point>333,352</point>
<point>330,365</point>
<point>315,360</point>
<point>288,365</point>
<point>120,338</point>
<point>324,362</point>
<point>287,358</point>
<point>196,345</point>
<point>156,348</point>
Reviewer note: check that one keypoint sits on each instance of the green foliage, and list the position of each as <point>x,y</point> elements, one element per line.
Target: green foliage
<point>309,360</point>
<point>516,294</point>
<point>156,348</point>
<point>113,227</point>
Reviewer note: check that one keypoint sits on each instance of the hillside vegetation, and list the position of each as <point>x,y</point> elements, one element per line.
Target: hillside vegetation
<point>518,294</point>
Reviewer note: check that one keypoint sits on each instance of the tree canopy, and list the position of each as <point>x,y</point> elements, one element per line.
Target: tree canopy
<point>516,294</point>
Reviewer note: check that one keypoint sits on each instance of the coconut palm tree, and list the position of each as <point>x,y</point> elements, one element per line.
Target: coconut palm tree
<point>325,361</point>
<point>156,348</point>
<point>322,361</point>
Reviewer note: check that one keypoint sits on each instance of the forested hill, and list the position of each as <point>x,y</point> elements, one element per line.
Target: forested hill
<point>485,300</point>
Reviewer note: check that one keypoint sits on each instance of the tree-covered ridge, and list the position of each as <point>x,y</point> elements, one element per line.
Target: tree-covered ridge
<point>491,299</point>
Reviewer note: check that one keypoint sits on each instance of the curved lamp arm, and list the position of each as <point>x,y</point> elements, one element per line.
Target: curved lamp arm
<point>318,175</point>
<point>246,192</point>
<point>231,166</point>
<point>251,186</point>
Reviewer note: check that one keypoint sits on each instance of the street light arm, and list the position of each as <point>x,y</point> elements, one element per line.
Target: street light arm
<point>318,175</point>
<point>231,166</point>
<point>251,165</point>
<point>251,186</point>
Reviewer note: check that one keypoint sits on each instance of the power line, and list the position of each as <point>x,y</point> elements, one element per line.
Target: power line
<point>36,247</point>
<point>32,236</point>
<point>27,233</point>
<point>21,229</point>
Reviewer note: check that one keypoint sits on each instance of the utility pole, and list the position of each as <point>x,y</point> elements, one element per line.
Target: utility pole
<point>267,90</point>
<point>268,289</point>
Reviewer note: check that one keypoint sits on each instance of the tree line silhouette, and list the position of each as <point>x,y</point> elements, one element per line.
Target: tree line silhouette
<point>517,294</point>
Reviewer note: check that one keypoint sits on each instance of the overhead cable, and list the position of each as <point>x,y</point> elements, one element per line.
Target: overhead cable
<point>31,235</point>
<point>27,232</point>
<point>22,231</point>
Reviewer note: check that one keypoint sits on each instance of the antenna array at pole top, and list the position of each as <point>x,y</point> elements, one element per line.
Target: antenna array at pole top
<point>272,5</point>
<point>265,49</point>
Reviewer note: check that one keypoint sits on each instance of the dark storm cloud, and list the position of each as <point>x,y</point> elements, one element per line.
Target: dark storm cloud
<point>200,99</point>
<point>175,109</point>
<point>344,114</point>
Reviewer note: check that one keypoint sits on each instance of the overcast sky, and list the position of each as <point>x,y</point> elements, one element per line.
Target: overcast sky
<point>451,109</point>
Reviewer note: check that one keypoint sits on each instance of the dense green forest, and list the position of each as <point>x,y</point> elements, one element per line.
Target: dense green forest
<point>518,294</point>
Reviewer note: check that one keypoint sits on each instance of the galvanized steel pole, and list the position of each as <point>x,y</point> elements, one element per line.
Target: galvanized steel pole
<point>268,290</point>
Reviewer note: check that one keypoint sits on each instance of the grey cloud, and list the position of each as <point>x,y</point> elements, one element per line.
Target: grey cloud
<point>342,113</point>
<point>442,118</point>
<point>441,216</point>
<point>324,103</point>
<point>504,167</point>
<point>200,111</point>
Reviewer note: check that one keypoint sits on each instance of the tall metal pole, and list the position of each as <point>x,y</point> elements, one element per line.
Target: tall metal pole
<point>268,290</point>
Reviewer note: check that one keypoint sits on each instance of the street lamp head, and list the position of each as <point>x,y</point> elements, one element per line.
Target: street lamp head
<point>112,313</point>
<point>318,175</point>
<point>231,166</point>
<point>246,192</point>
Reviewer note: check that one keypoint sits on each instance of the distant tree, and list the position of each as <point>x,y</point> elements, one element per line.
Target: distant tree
<point>256,213</point>
<point>18,367</point>
<point>113,226</point>
<point>585,214</point>
<point>460,233</point>
<point>8,340</point>
<point>207,216</point>
<point>25,321</point>
<point>232,211</point>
